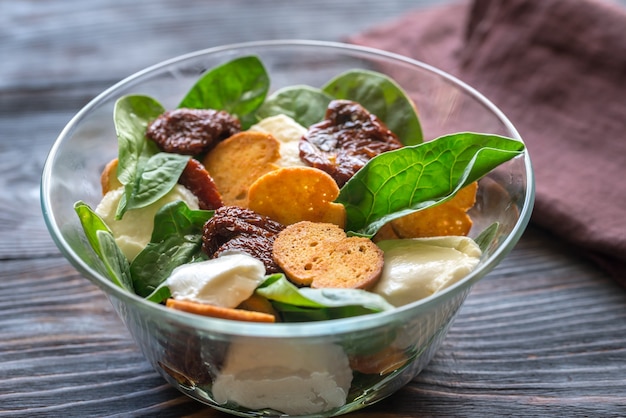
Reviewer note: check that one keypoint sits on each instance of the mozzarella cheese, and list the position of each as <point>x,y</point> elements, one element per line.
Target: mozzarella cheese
<point>288,376</point>
<point>132,233</point>
<point>225,281</point>
<point>288,132</point>
<point>417,268</point>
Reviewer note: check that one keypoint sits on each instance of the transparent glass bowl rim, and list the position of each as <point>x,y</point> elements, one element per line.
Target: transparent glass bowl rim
<point>284,330</point>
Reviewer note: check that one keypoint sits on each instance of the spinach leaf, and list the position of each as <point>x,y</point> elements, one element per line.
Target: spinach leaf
<point>101,240</point>
<point>160,294</point>
<point>381,96</point>
<point>176,240</point>
<point>155,178</point>
<point>412,178</point>
<point>238,87</point>
<point>131,117</point>
<point>304,104</point>
<point>486,238</point>
<point>277,288</point>
<point>304,304</point>
<point>336,298</point>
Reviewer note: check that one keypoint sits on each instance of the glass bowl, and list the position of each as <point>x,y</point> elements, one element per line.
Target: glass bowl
<point>312,366</point>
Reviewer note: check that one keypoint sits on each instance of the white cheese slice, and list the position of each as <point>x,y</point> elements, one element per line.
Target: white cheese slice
<point>417,268</point>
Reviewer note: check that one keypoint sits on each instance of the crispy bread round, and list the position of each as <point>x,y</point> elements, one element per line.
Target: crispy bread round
<point>108,178</point>
<point>238,161</point>
<point>353,263</point>
<point>298,245</point>
<point>292,194</point>
<point>320,255</point>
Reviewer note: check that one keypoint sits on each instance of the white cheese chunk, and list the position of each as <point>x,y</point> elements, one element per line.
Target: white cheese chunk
<point>288,132</point>
<point>417,268</point>
<point>132,233</point>
<point>291,377</point>
<point>225,281</point>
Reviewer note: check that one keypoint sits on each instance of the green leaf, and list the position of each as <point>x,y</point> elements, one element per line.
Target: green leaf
<point>277,288</point>
<point>335,298</point>
<point>306,105</point>
<point>486,238</point>
<point>306,304</point>
<point>160,294</point>
<point>176,240</point>
<point>402,181</point>
<point>238,87</point>
<point>381,96</point>
<point>103,243</point>
<point>132,115</point>
<point>158,176</point>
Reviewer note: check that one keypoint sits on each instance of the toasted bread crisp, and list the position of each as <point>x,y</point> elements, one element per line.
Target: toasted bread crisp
<point>448,218</point>
<point>219,312</point>
<point>108,178</point>
<point>294,194</point>
<point>320,255</point>
<point>238,161</point>
<point>296,247</point>
<point>354,262</point>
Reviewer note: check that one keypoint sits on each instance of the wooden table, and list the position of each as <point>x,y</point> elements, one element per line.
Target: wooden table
<point>543,335</point>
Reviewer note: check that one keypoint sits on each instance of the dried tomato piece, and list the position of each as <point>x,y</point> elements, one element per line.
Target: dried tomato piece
<point>236,228</point>
<point>346,140</point>
<point>201,184</point>
<point>191,131</point>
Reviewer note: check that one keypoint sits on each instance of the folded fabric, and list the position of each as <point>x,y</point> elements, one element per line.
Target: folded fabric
<point>557,69</point>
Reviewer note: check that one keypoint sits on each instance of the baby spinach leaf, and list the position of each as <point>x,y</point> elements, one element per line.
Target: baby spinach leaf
<point>160,294</point>
<point>131,116</point>
<point>334,298</point>
<point>277,288</point>
<point>306,304</point>
<point>101,240</point>
<point>412,178</point>
<point>155,178</point>
<point>238,87</point>
<point>381,96</point>
<point>486,238</point>
<point>304,104</point>
<point>176,240</point>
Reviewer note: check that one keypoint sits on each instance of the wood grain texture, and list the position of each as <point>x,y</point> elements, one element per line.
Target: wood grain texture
<point>542,335</point>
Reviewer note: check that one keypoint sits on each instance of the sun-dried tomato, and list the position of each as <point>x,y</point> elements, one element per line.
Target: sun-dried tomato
<point>236,228</point>
<point>201,184</point>
<point>191,131</point>
<point>346,140</point>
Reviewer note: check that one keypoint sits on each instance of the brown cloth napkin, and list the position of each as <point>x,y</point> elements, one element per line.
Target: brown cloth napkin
<point>557,69</point>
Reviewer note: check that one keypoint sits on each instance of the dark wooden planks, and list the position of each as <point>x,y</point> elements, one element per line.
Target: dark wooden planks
<point>71,40</point>
<point>541,340</point>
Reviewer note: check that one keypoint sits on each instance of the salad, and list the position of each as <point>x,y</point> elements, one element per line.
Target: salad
<point>303,204</point>
<point>199,195</point>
